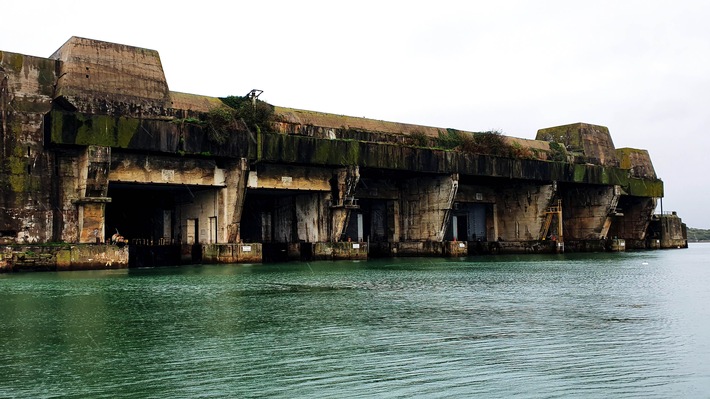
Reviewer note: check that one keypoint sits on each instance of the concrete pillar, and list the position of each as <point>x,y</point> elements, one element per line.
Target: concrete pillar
<point>520,211</point>
<point>493,233</point>
<point>233,196</point>
<point>674,233</point>
<point>426,204</point>
<point>588,211</point>
<point>94,166</point>
<point>393,221</point>
<point>343,184</point>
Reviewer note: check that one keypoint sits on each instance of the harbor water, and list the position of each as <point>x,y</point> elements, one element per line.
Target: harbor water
<point>621,325</point>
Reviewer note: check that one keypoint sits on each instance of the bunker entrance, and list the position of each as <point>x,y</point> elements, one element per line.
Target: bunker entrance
<point>469,222</point>
<point>286,222</point>
<point>154,220</point>
<point>371,222</point>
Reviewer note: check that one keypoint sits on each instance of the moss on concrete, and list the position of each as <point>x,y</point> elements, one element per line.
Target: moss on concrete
<point>30,105</point>
<point>125,129</point>
<point>46,76</point>
<point>101,130</point>
<point>580,171</point>
<point>16,61</point>
<point>644,188</point>
<point>56,127</point>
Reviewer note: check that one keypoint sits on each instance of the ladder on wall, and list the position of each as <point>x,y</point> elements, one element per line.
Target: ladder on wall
<point>555,210</point>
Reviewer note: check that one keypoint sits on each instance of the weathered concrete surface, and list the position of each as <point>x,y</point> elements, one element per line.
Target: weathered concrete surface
<point>109,78</point>
<point>125,155</point>
<point>631,220</point>
<point>591,141</point>
<point>283,177</point>
<point>343,186</point>
<point>151,169</point>
<point>455,248</point>
<point>587,211</point>
<point>233,196</point>
<point>425,204</point>
<point>16,258</point>
<point>279,148</point>
<point>407,248</point>
<point>232,253</point>
<point>26,208</point>
<point>638,162</point>
<point>340,251</point>
<point>520,210</point>
<point>670,231</point>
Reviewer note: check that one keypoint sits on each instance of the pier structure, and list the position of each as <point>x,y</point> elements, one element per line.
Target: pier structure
<point>97,151</point>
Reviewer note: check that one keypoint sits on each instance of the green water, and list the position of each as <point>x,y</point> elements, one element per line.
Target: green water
<point>596,325</point>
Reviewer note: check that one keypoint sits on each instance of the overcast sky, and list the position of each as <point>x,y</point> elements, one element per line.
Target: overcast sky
<point>641,68</point>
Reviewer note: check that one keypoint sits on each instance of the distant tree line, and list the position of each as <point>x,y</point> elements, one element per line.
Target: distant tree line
<point>695,235</point>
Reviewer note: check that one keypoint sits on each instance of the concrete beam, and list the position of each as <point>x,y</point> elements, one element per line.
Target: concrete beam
<point>151,169</point>
<point>290,177</point>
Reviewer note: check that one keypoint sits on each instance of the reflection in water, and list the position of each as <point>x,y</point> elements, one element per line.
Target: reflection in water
<point>599,325</point>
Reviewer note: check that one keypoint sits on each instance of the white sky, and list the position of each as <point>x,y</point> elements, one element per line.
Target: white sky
<point>641,68</point>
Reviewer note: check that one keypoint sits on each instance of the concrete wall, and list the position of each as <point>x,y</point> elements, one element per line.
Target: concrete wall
<point>197,208</point>
<point>112,122</point>
<point>26,181</point>
<point>102,77</point>
<point>340,251</point>
<point>425,206</point>
<point>592,142</point>
<point>632,219</point>
<point>588,211</point>
<point>638,162</point>
<point>62,257</point>
<point>232,253</point>
<point>670,230</point>
<point>520,210</point>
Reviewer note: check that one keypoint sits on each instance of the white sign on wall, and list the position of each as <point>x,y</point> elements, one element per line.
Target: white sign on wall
<point>167,174</point>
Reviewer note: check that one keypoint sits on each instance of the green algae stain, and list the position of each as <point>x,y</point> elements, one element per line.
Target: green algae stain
<point>46,77</point>
<point>604,176</point>
<point>322,153</point>
<point>353,153</point>
<point>16,165</point>
<point>101,130</point>
<point>126,128</point>
<point>56,125</point>
<point>104,130</point>
<point>16,61</point>
<point>17,183</point>
<point>579,172</point>
<point>85,132</point>
<point>645,188</point>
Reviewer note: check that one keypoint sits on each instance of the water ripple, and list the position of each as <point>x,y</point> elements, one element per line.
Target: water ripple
<point>603,325</point>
